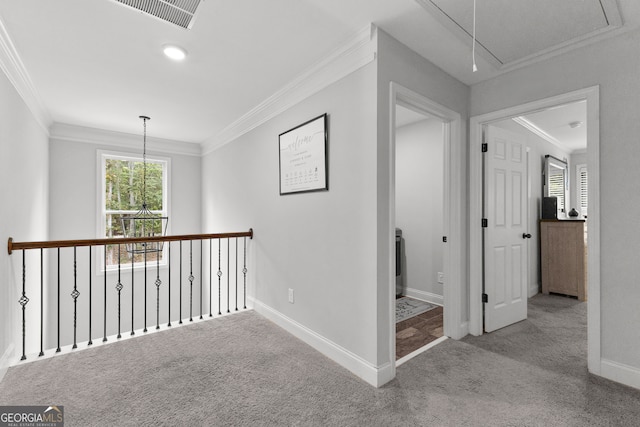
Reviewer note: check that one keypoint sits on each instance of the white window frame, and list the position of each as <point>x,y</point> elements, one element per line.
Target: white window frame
<point>102,155</point>
<point>579,189</point>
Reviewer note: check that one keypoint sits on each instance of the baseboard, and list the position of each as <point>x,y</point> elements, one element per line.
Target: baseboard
<point>621,373</point>
<point>374,375</point>
<point>5,360</point>
<point>533,289</point>
<point>424,296</point>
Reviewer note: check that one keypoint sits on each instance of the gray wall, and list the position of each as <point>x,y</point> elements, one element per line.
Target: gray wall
<point>419,206</point>
<point>24,209</point>
<point>613,64</point>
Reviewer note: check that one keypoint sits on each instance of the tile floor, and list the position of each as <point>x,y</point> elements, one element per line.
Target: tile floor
<point>418,331</point>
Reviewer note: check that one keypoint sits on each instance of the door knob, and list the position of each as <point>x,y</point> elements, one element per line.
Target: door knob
<point>526,235</point>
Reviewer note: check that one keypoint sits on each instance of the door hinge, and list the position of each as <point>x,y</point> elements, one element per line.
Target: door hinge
<point>485,222</point>
<point>485,298</point>
<point>444,239</point>
<point>485,147</point>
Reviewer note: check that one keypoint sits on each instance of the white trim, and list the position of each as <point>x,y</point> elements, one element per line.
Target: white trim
<point>591,95</point>
<point>374,375</point>
<point>425,296</point>
<point>532,127</point>
<point>454,167</point>
<point>72,133</point>
<point>619,372</point>
<point>419,351</point>
<point>5,360</point>
<point>13,67</point>
<point>354,54</point>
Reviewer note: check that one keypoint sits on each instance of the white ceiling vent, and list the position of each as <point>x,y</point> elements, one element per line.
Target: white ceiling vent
<point>178,12</point>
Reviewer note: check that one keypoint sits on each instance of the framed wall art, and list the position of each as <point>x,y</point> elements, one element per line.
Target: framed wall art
<point>303,157</point>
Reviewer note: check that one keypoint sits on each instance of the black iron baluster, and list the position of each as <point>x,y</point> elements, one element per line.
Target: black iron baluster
<point>158,283</point>
<point>244,272</point>
<point>90,279</point>
<point>133,288</point>
<point>23,302</point>
<point>191,280</point>
<point>228,270</point>
<point>58,349</point>
<point>41,302</point>
<point>180,321</point>
<point>169,274</point>
<point>236,274</point>
<point>75,294</point>
<point>104,339</point>
<point>119,287</point>
<point>200,279</point>
<point>145,287</point>
<point>219,277</point>
<point>210,279</point>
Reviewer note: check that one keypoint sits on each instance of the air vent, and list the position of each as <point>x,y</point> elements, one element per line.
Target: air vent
<point>178,12</point>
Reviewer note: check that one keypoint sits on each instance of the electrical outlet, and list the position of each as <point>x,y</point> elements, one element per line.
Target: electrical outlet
<point>291,295</point>
<point>440,277</point>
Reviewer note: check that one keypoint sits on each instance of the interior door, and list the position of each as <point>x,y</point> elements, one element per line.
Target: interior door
<point>505,234</point>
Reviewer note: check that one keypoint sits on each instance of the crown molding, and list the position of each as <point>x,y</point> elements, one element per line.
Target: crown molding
<point>14,69</point>
<point>72,133</point>
<point>352,55</point>
<point>532,127</point>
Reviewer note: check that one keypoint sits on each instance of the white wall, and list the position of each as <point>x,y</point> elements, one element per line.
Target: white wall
<point>23,214</point>
<point>419,206</point>
<point>538,149</point>
<point>74,211</point>
<point>613,65</point>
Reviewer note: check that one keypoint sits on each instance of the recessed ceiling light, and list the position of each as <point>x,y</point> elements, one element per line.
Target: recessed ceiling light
<point>174,52</point>
<point>575,124</point>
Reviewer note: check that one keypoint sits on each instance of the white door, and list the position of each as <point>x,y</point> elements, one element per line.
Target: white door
<point>505,235</point>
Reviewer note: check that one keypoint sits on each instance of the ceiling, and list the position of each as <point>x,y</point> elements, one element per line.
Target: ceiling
<point>563,126</point>
<point>99,64</point>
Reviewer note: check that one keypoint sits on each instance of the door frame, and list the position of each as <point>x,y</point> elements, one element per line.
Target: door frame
<point>591,96</point>
<point>454,166</point>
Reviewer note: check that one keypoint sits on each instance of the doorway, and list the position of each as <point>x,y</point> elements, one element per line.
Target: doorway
<point>419,190</point>
<point>478,124</point>
<point>453,166</point>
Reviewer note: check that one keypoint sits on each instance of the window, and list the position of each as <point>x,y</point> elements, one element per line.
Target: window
<point>582,188</point>
<point>122,188</point>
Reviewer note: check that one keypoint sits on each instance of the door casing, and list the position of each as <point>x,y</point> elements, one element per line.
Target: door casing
<point>591,96</point>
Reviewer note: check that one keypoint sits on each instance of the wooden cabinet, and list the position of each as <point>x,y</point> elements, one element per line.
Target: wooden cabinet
<point>563,256</point>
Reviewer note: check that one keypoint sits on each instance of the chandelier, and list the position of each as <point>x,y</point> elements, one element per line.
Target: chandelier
<point>144,223</point>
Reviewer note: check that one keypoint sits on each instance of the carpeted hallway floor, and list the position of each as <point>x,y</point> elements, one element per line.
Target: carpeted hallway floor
<point>242,370</point>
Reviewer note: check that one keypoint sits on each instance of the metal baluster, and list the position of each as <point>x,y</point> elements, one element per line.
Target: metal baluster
<point>219,277</point>
<point>90,279</point>
<point>200,279</point>
<point>244,272</point>
<point>228,271</point>
<point>236,274</point>
<point>104,339</point>
<point>158,283</point>
<point>23,302</point>
<point>180,321</point>
<point>191,280</point>
<point>145,287</point>
<point>75,294</point>
<point>41,302</point>
<point>133,288</point>
<point>210,279</point>
<point>58,349</point>
<point>169,294</point>
<point>119,287</point>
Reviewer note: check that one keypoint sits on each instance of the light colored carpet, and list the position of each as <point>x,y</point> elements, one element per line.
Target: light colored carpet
<point>242,370</point>
<point>408,307</point>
